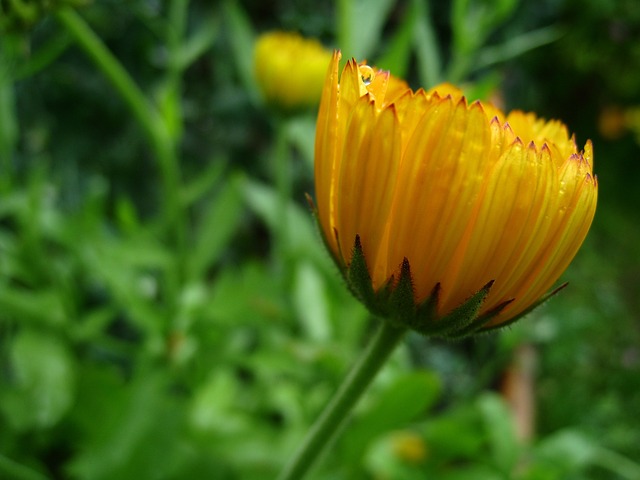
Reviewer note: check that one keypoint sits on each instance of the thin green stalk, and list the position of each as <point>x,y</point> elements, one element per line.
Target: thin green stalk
<point>345,20</point>
<point>283,181</point>
<point>337,411</point>
<point>176,28</point>
<point>426,45</point>
<point>145,112</point>
<point>9,130</point>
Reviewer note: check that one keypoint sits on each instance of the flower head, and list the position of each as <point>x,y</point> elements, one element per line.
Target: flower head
<point>448,209</point>
<point>290,69</point>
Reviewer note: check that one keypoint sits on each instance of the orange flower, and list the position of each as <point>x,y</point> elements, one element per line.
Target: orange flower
<point>453,208</point>
<point>290,69</point>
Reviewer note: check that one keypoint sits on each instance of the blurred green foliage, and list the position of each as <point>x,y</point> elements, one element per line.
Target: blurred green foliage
<point>164,315</point>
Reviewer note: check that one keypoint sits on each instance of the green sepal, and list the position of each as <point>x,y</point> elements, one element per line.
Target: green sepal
<point>401,302</point>
<point>426,312</point>
<point>395,300</point>
<point>462,316</point>
<point>358,278</point>
<point>478,324</point>
<point>511,321</point>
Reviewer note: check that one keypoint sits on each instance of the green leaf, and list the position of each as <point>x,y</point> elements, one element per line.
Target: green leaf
<point>569,449</point>
<point>310,302</point>
<point>44,306</point>
<point>205,181</point>
<point>401,401</point>
<point>44,381</point>
<point>499,427</point>
<point>426,46</point>
<point>398,50</point>
<point>302,236</point>
<point>217,225</point>
<point>130,429</point>
<point>242,39</point>
<point>199,42</point>
<point>455,435</point>
<point>365,19</point>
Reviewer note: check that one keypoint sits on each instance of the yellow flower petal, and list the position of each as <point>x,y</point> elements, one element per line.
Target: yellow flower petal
<point>469,196</point>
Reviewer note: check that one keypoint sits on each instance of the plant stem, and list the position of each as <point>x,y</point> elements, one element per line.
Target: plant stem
<point>426,45</point>
<point>171,106</point>
<point>145,112</point>
<point>282,180</point>
<point>345,34</point>
<point>337,411</point>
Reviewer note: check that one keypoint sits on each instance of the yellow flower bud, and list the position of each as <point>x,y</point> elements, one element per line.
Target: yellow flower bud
<point>290,69</point>
<point>409,446</point>
<point>473,212</point>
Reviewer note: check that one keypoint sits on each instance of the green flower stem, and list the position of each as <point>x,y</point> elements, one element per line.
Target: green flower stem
<point>283,182</point>
<point>176,31</point>
<point>147,115</point>
<point>337,411</point>
<point>345,19</point>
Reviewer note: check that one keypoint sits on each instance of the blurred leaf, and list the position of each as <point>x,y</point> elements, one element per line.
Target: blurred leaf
<point>365,21</point>
<point>499,427</point>
<point>205,181</point>
<point>44,56</point>
<point>43,381</point>
<point>138,432</point>
<point>8,120</point>
<point>401,401</point>
<point>245,296</point>
<point>310,301</point>
<point>471,472</point>
<point>12,470</point>
<point>44,306</point>
<point>383,460</point>
<point>213,407</point>
<point>426,46</point>
<point>516,46</point>
<point>569,451</point>
<point>218,223</point>
<point>396,55</point>
<point>457,434</point>
<point>301,133</point>
<point>473,21</point>
<point>618,464</point>
<point>199,42</point>
<point>130,272</point>
<point>302,234</point>
<point>242,38</point>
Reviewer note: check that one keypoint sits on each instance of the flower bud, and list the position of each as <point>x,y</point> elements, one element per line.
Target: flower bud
<point>445,216</point>
<point>290,69</point>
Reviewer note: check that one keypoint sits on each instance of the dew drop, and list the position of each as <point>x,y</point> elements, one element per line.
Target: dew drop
<point>366,74</point>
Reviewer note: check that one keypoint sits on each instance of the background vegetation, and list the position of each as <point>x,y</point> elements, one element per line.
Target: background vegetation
<point>157,321</point>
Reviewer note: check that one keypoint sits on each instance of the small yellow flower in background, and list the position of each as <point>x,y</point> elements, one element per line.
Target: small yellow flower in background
<point>614,122</point>
<point>408,446</point>
<point>445,216</point>
<point>290,69</point>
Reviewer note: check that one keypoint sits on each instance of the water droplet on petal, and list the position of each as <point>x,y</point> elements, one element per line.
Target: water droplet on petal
<point>367,74</point>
